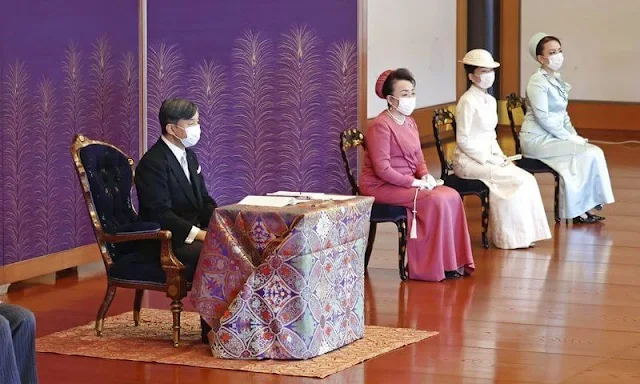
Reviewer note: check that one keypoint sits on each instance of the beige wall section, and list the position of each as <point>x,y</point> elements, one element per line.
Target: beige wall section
<point>424,42</point>
<point>602,115</point>
<point>424,115</point>
<point>600,41</point>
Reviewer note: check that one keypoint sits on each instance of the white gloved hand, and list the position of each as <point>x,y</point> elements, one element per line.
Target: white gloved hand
<point>422,184</point>
<point>496,160</point>
<point>577,139</point>
<point>431,180</point>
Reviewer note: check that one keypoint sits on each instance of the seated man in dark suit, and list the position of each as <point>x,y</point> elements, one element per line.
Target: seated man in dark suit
<point>171,188</point>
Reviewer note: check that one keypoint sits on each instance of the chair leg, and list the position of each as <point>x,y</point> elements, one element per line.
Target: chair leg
<point>137,304</point>
<point>402,248</point>
<point>176,310</point>
<point>106,303</point>
<point>484,199</point>
<point>372,237</point>
<point>556,198</point>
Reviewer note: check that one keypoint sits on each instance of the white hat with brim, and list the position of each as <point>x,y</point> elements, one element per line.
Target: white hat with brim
<point>479,58</point>
<point>533,44</point>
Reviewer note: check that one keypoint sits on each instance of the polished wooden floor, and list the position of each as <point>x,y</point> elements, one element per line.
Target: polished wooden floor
<point>567,311</point>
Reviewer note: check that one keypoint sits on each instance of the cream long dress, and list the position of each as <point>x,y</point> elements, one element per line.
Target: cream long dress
<point>516,214</point>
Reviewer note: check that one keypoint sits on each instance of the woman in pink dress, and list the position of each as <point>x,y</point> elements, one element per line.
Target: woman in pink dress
<point>395,173</point>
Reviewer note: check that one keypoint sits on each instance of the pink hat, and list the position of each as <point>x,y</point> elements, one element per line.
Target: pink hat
<point>380,83</point>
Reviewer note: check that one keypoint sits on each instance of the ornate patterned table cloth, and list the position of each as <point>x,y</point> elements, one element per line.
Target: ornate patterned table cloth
<point>283,283</point>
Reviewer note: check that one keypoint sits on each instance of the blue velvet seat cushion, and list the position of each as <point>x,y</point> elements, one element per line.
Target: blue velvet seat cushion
<point>384,213</point>
<point>534,166</point>
<point>135,267</point>
<point>465,186</point>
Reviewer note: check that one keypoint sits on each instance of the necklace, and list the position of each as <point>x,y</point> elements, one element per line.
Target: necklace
<point>561,86</point>
<point>400,122</point>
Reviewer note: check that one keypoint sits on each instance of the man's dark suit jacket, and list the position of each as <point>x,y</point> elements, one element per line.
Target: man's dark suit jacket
<point>165,195</point>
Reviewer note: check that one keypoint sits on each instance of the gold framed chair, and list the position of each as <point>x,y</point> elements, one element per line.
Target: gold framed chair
<point>443,119</point>
<point>106,177</point>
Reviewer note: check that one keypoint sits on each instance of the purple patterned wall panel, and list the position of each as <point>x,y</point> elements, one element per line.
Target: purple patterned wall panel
<point>66,66</point>
<point>276,83</point>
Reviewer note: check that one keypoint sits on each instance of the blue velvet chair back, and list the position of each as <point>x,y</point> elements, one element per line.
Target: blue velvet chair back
<point>110,176</point>
<point>106,176</point>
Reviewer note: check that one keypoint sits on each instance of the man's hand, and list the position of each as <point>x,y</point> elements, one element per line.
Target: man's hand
<point>201,235</point>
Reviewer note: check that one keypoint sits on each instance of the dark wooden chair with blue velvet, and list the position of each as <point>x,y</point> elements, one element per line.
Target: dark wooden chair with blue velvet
<point>380,213</point>
<point>106,177</point>
<point>444,120</point>
<point>533,166</point>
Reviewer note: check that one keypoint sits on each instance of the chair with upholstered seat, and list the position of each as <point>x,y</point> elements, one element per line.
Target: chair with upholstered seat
<point>533,166</point>
<point>106,177</point>
<point>443,120</point>
<point>380,213</point>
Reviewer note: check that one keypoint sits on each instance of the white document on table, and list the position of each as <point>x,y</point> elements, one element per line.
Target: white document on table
<point>268,201</point>
<point>311,195</point>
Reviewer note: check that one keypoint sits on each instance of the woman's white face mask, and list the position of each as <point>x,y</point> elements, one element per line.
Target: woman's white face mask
<point>555,61</point>
<point>406,105</point>
<point>486,80</point>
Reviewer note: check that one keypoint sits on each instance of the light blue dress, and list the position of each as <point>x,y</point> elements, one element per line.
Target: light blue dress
<point>545,131</point>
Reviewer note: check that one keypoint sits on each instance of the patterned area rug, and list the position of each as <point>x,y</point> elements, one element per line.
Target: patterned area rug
<point>151,342</point>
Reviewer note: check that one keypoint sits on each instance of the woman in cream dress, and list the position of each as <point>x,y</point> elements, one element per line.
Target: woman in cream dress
<point>547,134</point>
<point>516,216</point>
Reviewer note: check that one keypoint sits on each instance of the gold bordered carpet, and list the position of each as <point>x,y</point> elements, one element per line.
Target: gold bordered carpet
<point>151,342</point>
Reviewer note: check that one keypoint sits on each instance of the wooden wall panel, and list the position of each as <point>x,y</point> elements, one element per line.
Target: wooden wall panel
<point>43,265</point>
<point>461,45</point>
<point>509,47</point>
<point>605,115</point>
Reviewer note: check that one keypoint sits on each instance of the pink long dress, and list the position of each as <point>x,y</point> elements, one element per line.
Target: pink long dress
<point>393,159</point>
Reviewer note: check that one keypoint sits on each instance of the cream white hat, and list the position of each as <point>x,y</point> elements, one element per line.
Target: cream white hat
<point>533,44</point>
<point>480,58</point>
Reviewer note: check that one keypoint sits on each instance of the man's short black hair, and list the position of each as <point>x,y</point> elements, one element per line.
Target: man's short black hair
<point>173,110</point>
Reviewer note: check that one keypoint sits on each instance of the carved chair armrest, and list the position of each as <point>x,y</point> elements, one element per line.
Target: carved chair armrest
<point>172,267</point>
<point>167,258</point>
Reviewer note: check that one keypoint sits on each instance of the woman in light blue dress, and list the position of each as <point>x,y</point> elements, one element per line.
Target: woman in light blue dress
<point>547,134</point>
